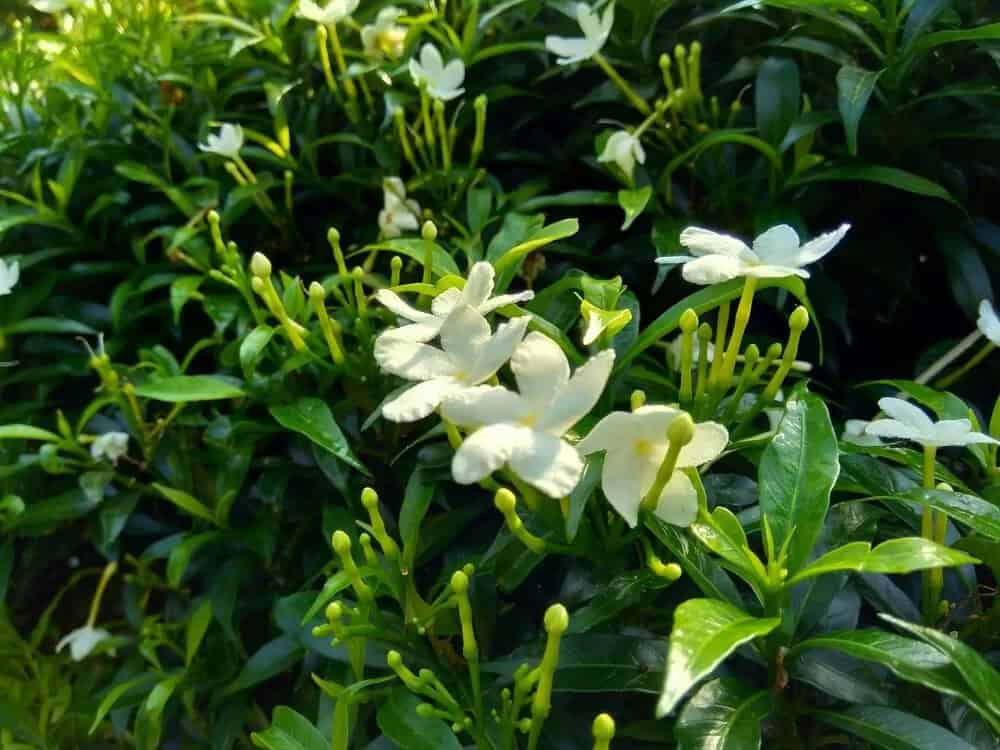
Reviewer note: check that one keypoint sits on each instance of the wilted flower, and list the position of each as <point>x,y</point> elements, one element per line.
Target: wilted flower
<point>988,323</point>
<point>110,446</point>
<point>227,143</point>
<point>525,430</point>
<point>469,356</point>
<point>635,444</point>
<point>775,254</point>
<point>595,34</point>
<point>332,12</point>
<point>385,36</point>
<point>476,293</point>
<point>909,422</point>
<point>623,149</point>
<point>398,214</point>
<point>82,641</point>
<point>9,274</point>
<point>442,81</point>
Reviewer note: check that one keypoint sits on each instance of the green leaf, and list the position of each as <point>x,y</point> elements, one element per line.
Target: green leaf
<point>116,693</point>
<point>894,556</point>
<point>196,628</point>
<point>398,720</point>
<point>186,388</point>
<point>149,719</point>
<point>312,418</point>
<point>797,472</point>
<point>252,348</point>
<point>290,730</point>
<point>987,32</point>
<point>854,89</point>
<point>705,632</point>
<point>182,290</point>
<point>139,173</point>
<point>271,659</point>
<point>544,236</point>
<point>633,202</point>
<point>416,501</point>
<point>19,723</point>
<point>777,96</point>
<point>27,432</point>
<point>185,502</point>
<point>892,729</point>
<point>891,176</point>
<point>723,715</point>
<point>50,325</point>
<point>416,250</point>
<point>979,515</point>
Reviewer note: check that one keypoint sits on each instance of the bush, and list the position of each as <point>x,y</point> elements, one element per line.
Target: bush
<point>351,397</point>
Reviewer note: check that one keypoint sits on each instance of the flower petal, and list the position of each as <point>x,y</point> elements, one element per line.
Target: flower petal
<point>444,303</point>
<point>396,304</point>
<point>547,463</point>
<point>420,400</point>
<point>431,62</point>
<point>502,300</point>
<point>621,429</point>
<point>678,504</point>
<point>486,450</point>
<point>816,248</point>
<point>580,394</point>
<point>770,271</point>
<point>895,430</point>
<point>452,75</point>
<point>498,349</point>
<point>463,335</point>
<point>479,285</point>
<point>419,332</point>
<point>541,369</point>
<point>483,405</point>
<point>626,477</point>
<point>713,269</point>
<point>710,439</point>
<point>989,323</point>
<point>411,360</point>
<point>702,241</point>
<point>570,50</point>
<point>906,413</point>
<point>778,246</point>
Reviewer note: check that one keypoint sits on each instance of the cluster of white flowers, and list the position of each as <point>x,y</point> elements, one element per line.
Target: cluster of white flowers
<point>527,430</point>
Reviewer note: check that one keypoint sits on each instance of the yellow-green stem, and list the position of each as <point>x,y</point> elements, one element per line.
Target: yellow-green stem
<point>978,357</point>
<point>739,328</point>
<point>721,324</point>
<point>95,603</point>
<point>637,101</point>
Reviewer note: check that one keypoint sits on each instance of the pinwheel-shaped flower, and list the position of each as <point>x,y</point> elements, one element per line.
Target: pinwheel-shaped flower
<point>623,149</point>
<point>596,30</point>
<point>988,323</point>
<point>82,641</point>
<point>398,213</point>
<point>775,254</point>
<point>110,446</point>
<point>635,446</point>
<point>525,430</point>
<point>442,81</point>
<point>227,143</point>
<point>332,12</point>
<point>909,422</point>
<point>476,293</point>
<point>469,356</point>
<point>384,37</point>
<point>9,274</point>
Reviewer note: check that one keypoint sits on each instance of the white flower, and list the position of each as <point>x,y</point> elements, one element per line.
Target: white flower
<point>82,641</point>
<point>227,143</point>
<point>636,444</point>
<point>9,274</point>
<point>988,323</point>
<point>385,36</point>
<point>524,430</point>
<point>908,422</point>
<point>624,149</point>
<point>775,254</point>
<point>443,82</point>
<point>110,445</point>
<point>332,12</point>
<point>595,34</point>
<point>398,214</point>
<point>469,355</point>
<point>854,433</point>
<point>476,293</point>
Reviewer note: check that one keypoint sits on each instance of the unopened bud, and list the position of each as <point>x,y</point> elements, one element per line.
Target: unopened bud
<point>260,265</point>
<point>689,321</point>
<point>681,429</point>
<point>556,619</point>
<point>429,231</point>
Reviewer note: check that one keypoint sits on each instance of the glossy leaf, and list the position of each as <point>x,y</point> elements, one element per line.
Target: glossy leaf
<point>892,729</point>
<point>776,97</point>
<point>724,714</point>
<point>312,417</point>
<point>290,730</point>
<point>854,89</point>
<point>186,388</point>
<point>903,555</point>
<point>398,720</point>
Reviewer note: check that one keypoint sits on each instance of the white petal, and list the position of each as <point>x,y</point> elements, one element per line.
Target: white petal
<point>625,479</point>
<point>951,432</point>
<point>580,394</point>
<point>431,62</point>
<point>778,246</point>
<point>498,349</point>
<point>547,463</point>
<point>420,400</point>
<point>394,302</point>
<point>713,269</point>
<point>463,335</point>
<point>595,325</point>
<point>486,450</point>
<point>978,437</point>
<point>895,430</point>
<point>906,412</point>
<point>988,322</point>
<point>479,285</point>
<point>453,75</point>
<point>816,248</point>
<point>443,93</point>
<point>411,360</point>
<point>416,72</point>
<point>82,641</point>
<point>502,300</point>
<point>419,332</point>
<point>570,50</point>
<point>678,503</point>
<point>483,405</point>
<point>770,271</point>
<point>710,439</point>
<point>541,369</point>
<point>620,430</point>
<point>445,302</point>
<point>706,242</point>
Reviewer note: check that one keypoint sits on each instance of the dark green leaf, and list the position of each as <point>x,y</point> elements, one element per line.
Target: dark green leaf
<point>185,388</point>
<point>723,715</point>
<point>312,417</point>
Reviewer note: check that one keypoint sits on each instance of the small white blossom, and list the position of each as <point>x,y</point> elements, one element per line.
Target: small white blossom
<point>332,12</point>
<point>909,422</point>
<point>385,36</point>
<point>469,356</point>
<point>596,30</point>
<point>623,149</point>
<point>442,81</point>
<point>989,323</point>
<point>854,433</point>
<point>477,293</point>
<point>82,641</point>
<point>635,444</point>
<point>775,254</point>
<point>398,214</point>
<point>227,143</point>
<point>110,446</point>
<point>9,274</point>
<point>525,430</point>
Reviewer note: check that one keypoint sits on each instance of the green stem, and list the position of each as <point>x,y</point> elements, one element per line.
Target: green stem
<point>739,328</point>
<point>933,579</point>
<point>637,101</point>
<point>979,356</point>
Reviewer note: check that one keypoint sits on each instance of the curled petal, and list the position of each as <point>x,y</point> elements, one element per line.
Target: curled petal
<point>710,439</point>
<point>498,349</point>
<point>625,479</point>
<point>816,248</point>
<point>420,400</point>
<point>444,303</point>
<point>778,246</point>
<point>396,304</point>
<point>464,334</point>
<point>906,413</point>
<point>479,285</point>
<point>502,300</point>
<point>678,504</point>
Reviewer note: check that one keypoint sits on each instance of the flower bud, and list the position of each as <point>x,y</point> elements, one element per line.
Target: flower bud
<point>556,619</point>
<point>799,319</point>
<point>341,542</point>
<point>429,231</point>
<point>260,265</point>
<point>689,321</point>
<point>316,291</point>
<point>505,500</point>
<point>681,429</point>
<point>459,582</point>
<point>604,727</point>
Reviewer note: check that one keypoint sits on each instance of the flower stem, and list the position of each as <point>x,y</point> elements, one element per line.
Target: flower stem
<point>721,324</point>
<point>739,328</point>
<point>948,357</point>
<point>979,356</point>
<point>95,604</point>
<point>637,101</point>
<point>933,579</point>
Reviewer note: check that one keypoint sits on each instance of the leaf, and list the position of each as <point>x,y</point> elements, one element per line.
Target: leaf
<point>705,632</point>
<point>967,273</point>
<point>544,236</point>
<point>723,715</point>
<point>312,418</point>
<point>776,97</point>
<point>273,658</point>
<point>185,502</point>
<point>633,202</point>
<point>187,388</point>
<point>27,432</point>
<point>252,348</point>
<point>416,501</point>
<point>416,250</point>
<point>854,89</point>
<point>398,720</point>
<point>149,719</point>
<point>894,556</point>
<point>891,176</point>
<point>116,693</point>
<point>797,472</point>
<point>196,628</point>
<point>979,515</point>
<point>50,325</point>
<point>987,32</point>
<point>921,16</point>
<point>892,729</point>
<point>290,730</point>
<point>182,290</point>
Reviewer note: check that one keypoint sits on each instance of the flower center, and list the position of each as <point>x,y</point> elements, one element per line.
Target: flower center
<point>528,420</point>
<point>643,447</point>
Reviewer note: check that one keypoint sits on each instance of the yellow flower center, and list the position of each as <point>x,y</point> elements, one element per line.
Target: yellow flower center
<point>643,447</point>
